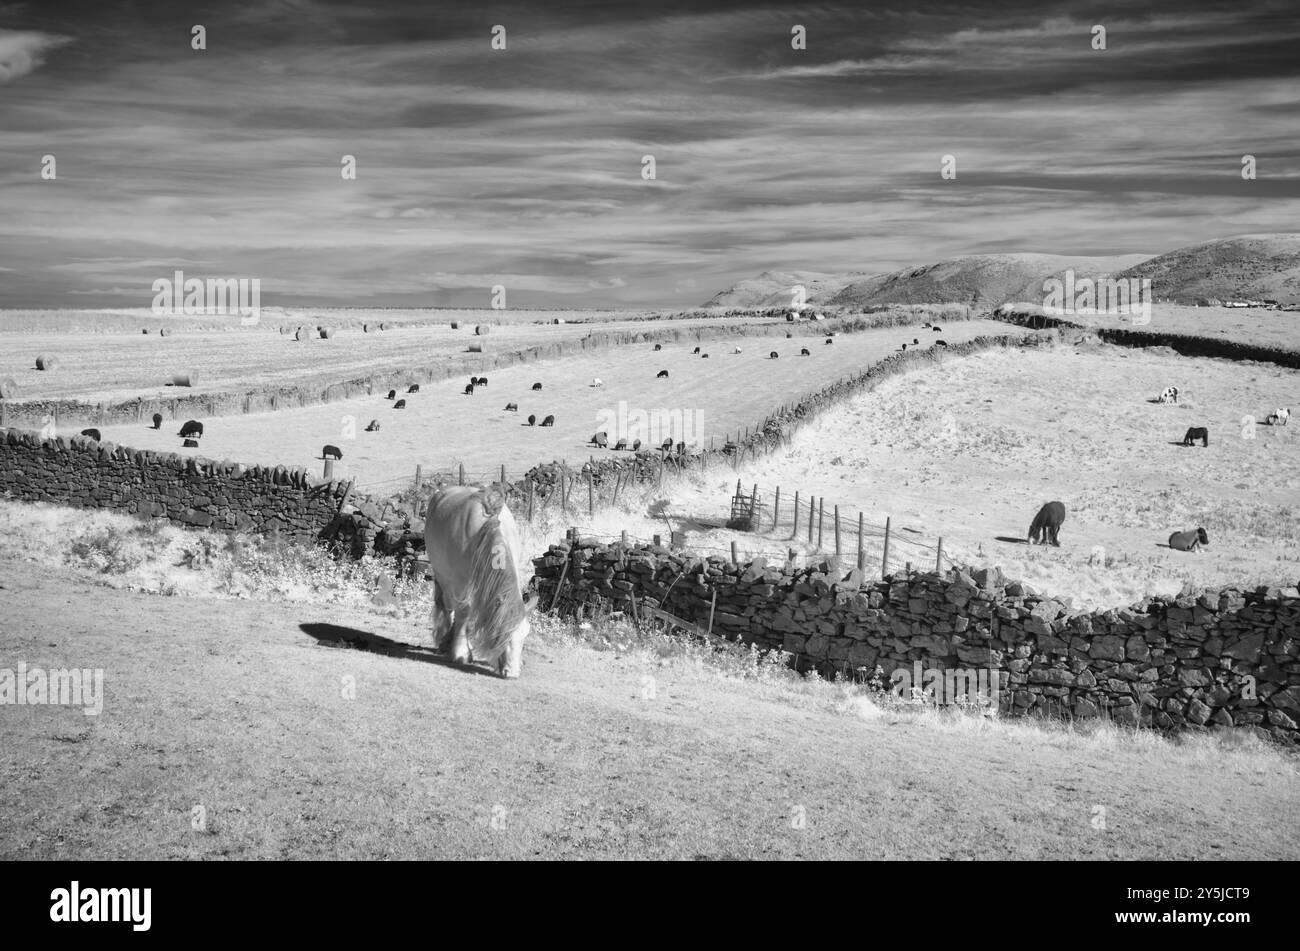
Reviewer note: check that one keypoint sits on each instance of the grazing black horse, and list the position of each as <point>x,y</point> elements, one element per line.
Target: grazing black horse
<point>549,421</point>
<point>334,451</point>
<point>661,375</point>
<point>1047,524</point>
<point>413,388</point>
<point>532,420</point>
<point>537,386</point>
<point>805,352</point>
<point>392,394</point>
<point>1189,540</point>
<point>192,427</point>
<point>512,407</point>
<point>400,404</point>
<point>600,440</point>
<point>1195,433</point>
<point>373,427</point>
<point>92,433</point>
<point>157,420</point>
<point>469,389</point>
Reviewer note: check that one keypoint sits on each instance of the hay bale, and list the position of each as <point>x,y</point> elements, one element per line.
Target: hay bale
<point>559,320</point>
<point>9,389</point>
<point>482,330</point>
<point>47,362</point>
<point>365,328</point>
<point>476,348</point>
<point>304,334</point>
<point>327,333</point>
<point>163,332</point>
<point>381,327</point>
<point>189,378</point>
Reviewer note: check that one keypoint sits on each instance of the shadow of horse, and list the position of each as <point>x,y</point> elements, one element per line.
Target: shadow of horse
<point>1010,541</point>
<point>335,635</point>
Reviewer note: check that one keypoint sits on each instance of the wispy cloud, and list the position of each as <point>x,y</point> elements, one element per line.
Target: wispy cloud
<point>24,52</point>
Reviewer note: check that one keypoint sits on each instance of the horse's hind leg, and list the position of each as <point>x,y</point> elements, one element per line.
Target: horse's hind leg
<point>459,648</point>
<point>441,620</point>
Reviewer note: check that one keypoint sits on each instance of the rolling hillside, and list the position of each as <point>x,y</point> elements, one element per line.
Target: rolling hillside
<point>1247,267</point>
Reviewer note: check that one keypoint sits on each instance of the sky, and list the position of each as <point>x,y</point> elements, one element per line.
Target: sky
<point>523,166</point>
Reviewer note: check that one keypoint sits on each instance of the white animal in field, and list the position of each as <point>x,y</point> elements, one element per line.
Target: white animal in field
<point>737,350</point>
<point>597,381</point>
<point>1168,395</point>
<point>480,612</point>
<point>1279,416</point>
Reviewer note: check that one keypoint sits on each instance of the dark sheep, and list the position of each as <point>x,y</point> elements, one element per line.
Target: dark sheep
<point>469,389</point>
<point>696,350</point>
<point>903,347</point>
<point>704,356</point>
<point>1047,524</point>
<point>329,451</point>
<point>373,427</point>
<point>537,386</point>
<point>482,381</point>
<point>662,375</point>
<point>532,420</point>
<point>157,420</point>
<point>941,343</point>
<point>773,355</point>
<point>828,341</point>
<point>658,347</point>
<point>805,352</point>
<point>413,388</point>
<point>549,421</point>
<point>392,394</point>
<point>681,448</point>
<point>915,342</point>
<point>1189,540</point>
<point>668,445</point>
<point>636,445</point>
<point>191,428</point>
<point>512,407</point>
<point>937,329</point>
<point>92,433</point>
<point>400,404</point>
<point>621,444</point>
<point>600,440</point>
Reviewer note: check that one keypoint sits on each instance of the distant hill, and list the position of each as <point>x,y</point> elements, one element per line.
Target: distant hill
<point>1247,267</point>
<point>990,279</point>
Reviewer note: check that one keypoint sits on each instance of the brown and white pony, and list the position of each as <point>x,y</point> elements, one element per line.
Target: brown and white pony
<point>479,610</point>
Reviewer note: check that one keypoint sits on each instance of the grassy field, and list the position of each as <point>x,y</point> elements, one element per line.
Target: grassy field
<point>325,727</point>
<point>441,427</point>
<point>1248,325</point>
<point>970,453</point>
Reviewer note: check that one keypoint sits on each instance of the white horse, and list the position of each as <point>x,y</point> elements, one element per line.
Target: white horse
<point>475,562</point>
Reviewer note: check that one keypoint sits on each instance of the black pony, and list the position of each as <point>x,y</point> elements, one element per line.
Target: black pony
<point>1047,524</point>
<point>1195,433</point>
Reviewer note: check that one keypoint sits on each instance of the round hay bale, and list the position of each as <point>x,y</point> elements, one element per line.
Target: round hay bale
<point>327,333</point>
<point>381,327</point>
<point>304,334</point>
<point>482,330</point>
<point>47,362</point>
<point>559,320</point>
<point>9,389</point>
<point>476,348</point>
<point>189,378</point>
<point>163,332</point>
<point>365,328</point>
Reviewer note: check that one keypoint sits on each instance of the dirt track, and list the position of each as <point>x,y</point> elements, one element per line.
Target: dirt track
<point>236,707</point>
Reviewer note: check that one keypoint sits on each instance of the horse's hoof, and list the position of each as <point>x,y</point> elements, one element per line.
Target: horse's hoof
<point>461,657</point>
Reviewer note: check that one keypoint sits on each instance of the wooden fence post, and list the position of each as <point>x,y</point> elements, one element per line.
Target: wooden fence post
<point>862,555</point>
<point>419,476</point>
<point>884,559</point>
<point>938,558</point>
<point>837,531</point>
<point>530,500</point>
<point>503,473</point>
<point>821,521</point>
<point>591,493</point>
<point>564,491</point>
<point>776,509</point>
<point>329,468</point>
<point>712,607</point>
<point>812,513</point>
<point>462,473</point>
<point>795,533</point>
<point>753,507</point>
<point>733,553</point>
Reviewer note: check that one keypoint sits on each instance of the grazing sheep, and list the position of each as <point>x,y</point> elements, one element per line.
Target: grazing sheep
<point>1189,540</point>
<point>400,404</point>
<point>600,440</point>
<point>662,375</point>
<point>413,388</point>
<point>92,433</point>
<point>941,343</point>
<point>658,347</point>
<point>537,386</point>
<point>915,342</point>
<point>549,421</point>
<point>828,341</point>
<point>597,381</point>
<point>696,350</point>
<point>157,421</point>
<point>737,350</point>
<point>373,427</point>
<point>636,445</point>
<point>704,356</point>
<point>773,355</point>
<point>469,389</point>
<point>392,394</point>
<point>512,407</point>
<point>532,420</point>
<point>903,347</point>
<point>667,446</point>
<point>329,451</point>
<point>1279,416</point>
<point>937,329</point>
<point>805,352</point>
<point>621,444</point>
<point>191,428</point>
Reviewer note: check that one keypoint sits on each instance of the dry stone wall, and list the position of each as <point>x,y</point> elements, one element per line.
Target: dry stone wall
<point>1225,657</point>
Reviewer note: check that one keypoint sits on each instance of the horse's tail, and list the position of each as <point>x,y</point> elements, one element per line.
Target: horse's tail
<point>495,603</point>
<point>1036,526</point>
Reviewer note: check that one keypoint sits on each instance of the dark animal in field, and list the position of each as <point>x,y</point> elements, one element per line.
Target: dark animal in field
<point>773,355</point>
<point>1047,524</point>
<point>828,341</point>
<point>1189,540</point>
<point>373,427</point>
<point>482,381</point>
<point>696,350</point>
<point>392,394</point>
<point>532,420</point>
<point>1168,395</point>
<point>681,448</point>
<point>937,329</point>
<point>537,386</point>
<point>512,407</point>
<point>915,342</point>
<point>192,427</point>
<point>473,381</point>
<point>926,325</point>
<point>157,420</point>
<point>600,440</point>
<point>941,343</point>
<point>668,445</point>
<point>413,388</point>
<point>400,404</point>
<point>549,421</point>
<point>704,356</point>
<point>329,451</point>
<point>661,375</point>
<point>1195,433</point>
<point>469,389</point>
<point>1278,417</point>
<point>621,444</point>
<point>903,347</point>
<point>659,346</point>
<point>636,445</point>
<point>92,433</point>
<point>190,444</point>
